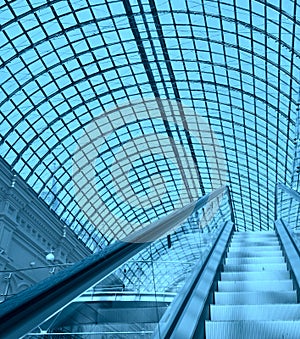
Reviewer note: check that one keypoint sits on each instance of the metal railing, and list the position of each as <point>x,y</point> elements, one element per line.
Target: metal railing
<point>27,310</point>
<point>287,226</point>
<point>186,316</point>
<point>287,206</point>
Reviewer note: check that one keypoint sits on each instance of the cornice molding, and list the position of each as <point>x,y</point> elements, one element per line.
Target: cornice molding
<point>33,217</point>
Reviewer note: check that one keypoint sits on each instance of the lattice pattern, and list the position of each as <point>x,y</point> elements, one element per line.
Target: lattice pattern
<point>234,62</point>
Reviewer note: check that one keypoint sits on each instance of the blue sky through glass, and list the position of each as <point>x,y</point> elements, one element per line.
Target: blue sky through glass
<point>236,63</point>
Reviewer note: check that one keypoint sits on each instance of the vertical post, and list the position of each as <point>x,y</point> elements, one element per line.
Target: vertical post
<point>296,162</point>
<point>230,204</point>
<point>275,202</point>
<point>7,278</point>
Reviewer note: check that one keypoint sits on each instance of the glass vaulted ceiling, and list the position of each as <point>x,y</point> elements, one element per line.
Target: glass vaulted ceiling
<point>65,64</point>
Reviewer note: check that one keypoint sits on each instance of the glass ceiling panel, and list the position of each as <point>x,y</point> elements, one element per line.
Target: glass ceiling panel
<point>66,64</point>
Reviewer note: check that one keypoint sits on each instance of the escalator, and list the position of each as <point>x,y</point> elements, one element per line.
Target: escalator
<point>255,297</point>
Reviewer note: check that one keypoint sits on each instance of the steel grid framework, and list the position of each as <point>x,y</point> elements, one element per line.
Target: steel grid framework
<point>236,63</point>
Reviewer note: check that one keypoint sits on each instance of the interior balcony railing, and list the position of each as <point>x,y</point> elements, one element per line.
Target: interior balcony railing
<point>24,314</point>
<point>287,225</point>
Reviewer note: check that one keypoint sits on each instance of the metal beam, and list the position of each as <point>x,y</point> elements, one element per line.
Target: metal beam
<point>292,193</point>
<point>125,296</point>
<point>295,195</point>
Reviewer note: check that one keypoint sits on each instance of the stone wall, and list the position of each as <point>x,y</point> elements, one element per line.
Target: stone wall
<point>29,231</point>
